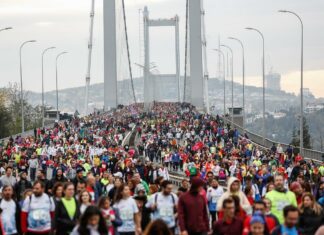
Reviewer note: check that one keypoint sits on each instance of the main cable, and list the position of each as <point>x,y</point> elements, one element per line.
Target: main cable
<point>128,53</point>
<point>186,52</point>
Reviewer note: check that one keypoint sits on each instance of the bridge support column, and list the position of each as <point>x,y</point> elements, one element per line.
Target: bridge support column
<point>196,65</point>
<point>110,54</point>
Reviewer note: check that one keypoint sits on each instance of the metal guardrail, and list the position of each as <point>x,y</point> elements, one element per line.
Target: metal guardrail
<point>257,139</point>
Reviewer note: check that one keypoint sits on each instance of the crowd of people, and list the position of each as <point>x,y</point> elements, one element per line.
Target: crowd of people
<point>82,177</point>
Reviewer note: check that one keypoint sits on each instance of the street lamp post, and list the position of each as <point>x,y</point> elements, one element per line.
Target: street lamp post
<point>57,110</point>
<point>223,57</point>
<point>4,29</point>
<point>43,105</point>
<point>21,85</point>
<point>301,121</point>
<point>243,76</point>
<point>263,83</point>
<point>232,59</point>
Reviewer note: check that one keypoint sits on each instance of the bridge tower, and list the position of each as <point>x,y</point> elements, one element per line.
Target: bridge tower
<point>196,86</point>
<point>148,83</point>
<point>110,54</point>
<point>196,59</point>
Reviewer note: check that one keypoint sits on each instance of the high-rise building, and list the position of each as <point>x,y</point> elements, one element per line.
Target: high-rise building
<point>272,81</point>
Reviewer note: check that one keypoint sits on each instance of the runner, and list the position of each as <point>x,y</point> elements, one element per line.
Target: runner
<point>37,211</point>
<point>129,212</point>
<point>67,211</point>
<point>164,205</point>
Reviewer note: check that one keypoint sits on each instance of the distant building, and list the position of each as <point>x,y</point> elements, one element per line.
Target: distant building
<point>272,81</point>
<point>307,93</point>
<point>313,107</point>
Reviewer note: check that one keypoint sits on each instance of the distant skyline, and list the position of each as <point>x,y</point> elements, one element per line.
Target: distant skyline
<point>65,24</point>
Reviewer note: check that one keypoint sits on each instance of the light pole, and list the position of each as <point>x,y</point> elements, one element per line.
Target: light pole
<point>4,29</point>
<point>301,121</point>
<point>263,83</point>
<point>21,85</point>
<point>223,57</point>
<point>57,110</point>
<point>230,49</point>
<point>243,76</point>
<point>43,105</point>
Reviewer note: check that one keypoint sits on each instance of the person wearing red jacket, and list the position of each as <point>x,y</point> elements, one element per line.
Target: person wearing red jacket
<point>270,221</point>
<point>37,212</point>
<point>192,210</point>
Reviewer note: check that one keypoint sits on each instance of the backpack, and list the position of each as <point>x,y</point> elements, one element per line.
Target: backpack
<point>193,171</point>
<point>173,201</point>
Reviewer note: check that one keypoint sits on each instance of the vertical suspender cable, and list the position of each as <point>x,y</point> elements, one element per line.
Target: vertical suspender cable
<point>186,52</point>
<point>89,57</point>
<point>128,54</point>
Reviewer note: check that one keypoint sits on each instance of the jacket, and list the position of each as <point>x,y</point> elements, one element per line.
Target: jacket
<point>245,204</point>
<point>222,227</point>
<point>62,222</point>
<point>278,231</point>
<point>309,222</point>
<point>20,188</point>
<point>192,213</point>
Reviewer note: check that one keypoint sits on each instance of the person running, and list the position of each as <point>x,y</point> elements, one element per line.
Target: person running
<point>157,227</point>
<point>37,211</point>
<point>8,178</point>
<point>164,205</point>
<point>57,192</point>
<point>67,211</point>
<point>311,215</point>
<point>289,226</point>
<point>259,207</point>
<point>129,212</point>
<point>91,223</point>
<point>280,197</point>
<point>192,210</point>
<point>229,224</point>
<point>22,185</point>
<point>234,188</point>
<point>214,192</point>
<point>84,200</point>
<point>109,214</point>
<point>258,225</point>
<point>10,215</point>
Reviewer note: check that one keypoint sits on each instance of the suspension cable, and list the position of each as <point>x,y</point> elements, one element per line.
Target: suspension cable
<point>186,53</point>
<point>128,53</point>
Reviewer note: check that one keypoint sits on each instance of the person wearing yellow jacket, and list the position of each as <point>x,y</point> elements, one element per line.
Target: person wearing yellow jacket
<point>280,197</point>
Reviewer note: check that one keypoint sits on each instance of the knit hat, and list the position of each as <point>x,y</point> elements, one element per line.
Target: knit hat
<point>257,218</point>
<point>196,182</point>
<point>294,186</point>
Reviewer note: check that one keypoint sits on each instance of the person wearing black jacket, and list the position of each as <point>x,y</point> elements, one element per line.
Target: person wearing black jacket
<point>58,178</point>
<point>79,176</point>
<point>10,212</point>
<point>67,211</point>
<point>311,215</point>
<point>21,186</point>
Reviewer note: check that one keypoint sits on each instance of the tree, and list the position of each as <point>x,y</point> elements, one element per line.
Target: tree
<point>10,111</point>
<point>295,138</point>
<point>4,116</point>
<point>306,138</point>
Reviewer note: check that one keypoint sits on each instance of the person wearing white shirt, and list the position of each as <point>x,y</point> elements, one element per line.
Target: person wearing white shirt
<point>213,194</point>
<point>129,212</point>
<point>164,205</point>
<point>10,215</point>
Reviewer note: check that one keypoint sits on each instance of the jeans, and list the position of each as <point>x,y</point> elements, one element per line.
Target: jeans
<point>32,174</point>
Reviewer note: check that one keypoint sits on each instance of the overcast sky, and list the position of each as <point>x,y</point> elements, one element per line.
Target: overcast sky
<point>65,24</point>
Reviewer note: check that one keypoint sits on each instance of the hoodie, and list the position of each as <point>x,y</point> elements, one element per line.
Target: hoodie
<point>245,204</point>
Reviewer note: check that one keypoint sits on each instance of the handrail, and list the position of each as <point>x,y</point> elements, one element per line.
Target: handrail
<point>257,139</point>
